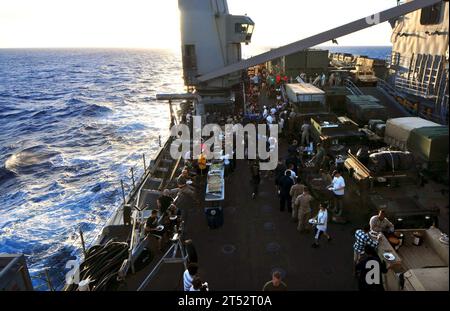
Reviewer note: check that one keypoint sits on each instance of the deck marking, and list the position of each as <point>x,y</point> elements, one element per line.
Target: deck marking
<point>273,247</point>
<point>267,208</point>
<point>228,249</point>
<point>269,226</point>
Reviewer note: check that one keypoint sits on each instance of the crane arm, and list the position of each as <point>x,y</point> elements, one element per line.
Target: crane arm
<point>323,37</point>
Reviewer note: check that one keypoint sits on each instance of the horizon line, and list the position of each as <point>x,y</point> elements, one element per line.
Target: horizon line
<point>166,48</point>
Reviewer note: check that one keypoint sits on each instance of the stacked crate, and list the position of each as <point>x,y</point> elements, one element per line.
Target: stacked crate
<point>363,108</point>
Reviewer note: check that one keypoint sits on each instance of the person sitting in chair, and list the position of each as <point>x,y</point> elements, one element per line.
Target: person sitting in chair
<point>380,224</point>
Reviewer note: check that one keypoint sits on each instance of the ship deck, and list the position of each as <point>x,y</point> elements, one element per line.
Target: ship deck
<point>256,239</point>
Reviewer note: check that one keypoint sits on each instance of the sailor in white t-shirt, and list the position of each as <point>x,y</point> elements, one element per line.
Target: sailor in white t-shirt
<point>338,188</point>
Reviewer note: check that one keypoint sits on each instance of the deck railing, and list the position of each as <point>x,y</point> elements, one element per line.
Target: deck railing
<point>414,87</point>
<point>352,87</point>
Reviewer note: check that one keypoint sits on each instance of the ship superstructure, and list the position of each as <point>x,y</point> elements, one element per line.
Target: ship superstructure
<point>418,66</point>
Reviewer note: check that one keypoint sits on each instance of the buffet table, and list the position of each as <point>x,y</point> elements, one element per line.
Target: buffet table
<point>215,183</point>
<point>215,195</point>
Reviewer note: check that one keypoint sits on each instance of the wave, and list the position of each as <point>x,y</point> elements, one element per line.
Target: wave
<point>97,122</point>
<point>42,113</point>
<point>76,107</point>
<point>31,160</point>
<point>96,110</point>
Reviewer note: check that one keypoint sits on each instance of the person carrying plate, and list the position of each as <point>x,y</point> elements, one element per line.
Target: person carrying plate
<point>152,227</point>
<point>321,225</point>
<point>338,188</point>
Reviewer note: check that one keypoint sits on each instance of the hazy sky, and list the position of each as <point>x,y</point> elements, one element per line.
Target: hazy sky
<point>154,23</point>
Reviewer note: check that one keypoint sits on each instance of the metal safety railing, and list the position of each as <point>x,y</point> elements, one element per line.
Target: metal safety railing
<point>352,88</point>
<point>414,87</point>
<point>54,279</point>
<point>388,88</point>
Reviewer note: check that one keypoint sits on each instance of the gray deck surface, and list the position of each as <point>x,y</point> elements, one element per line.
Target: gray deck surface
<point>257,238</point>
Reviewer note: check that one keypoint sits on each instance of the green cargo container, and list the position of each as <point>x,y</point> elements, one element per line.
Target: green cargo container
<point>364,108</point>
<point>336,99</point>
<point>430,143</point>
<point>364,98</point>
<point>310,62</point>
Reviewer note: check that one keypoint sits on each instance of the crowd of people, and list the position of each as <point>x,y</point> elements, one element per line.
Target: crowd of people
<point>365,247</point>
<point>295,194</point>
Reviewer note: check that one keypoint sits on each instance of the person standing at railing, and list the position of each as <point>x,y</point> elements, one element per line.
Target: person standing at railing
<point>152,227</point>
<point>164,201</point>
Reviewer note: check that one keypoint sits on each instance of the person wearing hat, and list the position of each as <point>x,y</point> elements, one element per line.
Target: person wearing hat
<point>338,188</point>
<point>321,225</point>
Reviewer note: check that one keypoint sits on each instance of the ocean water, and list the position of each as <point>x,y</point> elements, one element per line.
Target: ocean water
<point>72,124</point>
<point>380,52</point>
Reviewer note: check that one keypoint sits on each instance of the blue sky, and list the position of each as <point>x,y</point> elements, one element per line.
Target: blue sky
<point>154,23</point>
